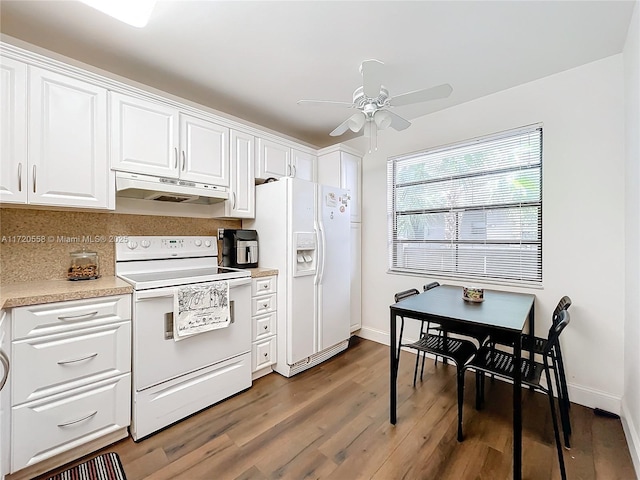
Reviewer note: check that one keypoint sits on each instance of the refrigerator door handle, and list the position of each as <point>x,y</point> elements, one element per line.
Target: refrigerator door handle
<point>320,253</point>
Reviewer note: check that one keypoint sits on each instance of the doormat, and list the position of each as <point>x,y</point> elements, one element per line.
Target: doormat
<point>103,467</point>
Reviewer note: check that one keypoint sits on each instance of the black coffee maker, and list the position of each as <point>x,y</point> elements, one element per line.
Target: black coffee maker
<point>239,248</point>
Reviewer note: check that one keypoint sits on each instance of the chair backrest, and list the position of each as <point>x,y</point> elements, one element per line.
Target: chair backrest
<point>556,329</point>
<point>563,304</point>
<point>406,294</point>
<point>431,285</point>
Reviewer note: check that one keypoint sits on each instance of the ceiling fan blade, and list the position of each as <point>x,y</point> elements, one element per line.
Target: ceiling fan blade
<point>417,96</point>
<point>371,77</point>
<point>397,122</point>
<point>325,103</point>
<point>340,129</point>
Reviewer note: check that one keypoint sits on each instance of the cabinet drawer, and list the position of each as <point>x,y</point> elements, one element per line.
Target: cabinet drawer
<point>262,285</point>
<point>263,326</point>
<point>59,317</point>
<point>263,354</point>
<point>48,427</point>
<point>54,363</point>
<point>263,304</point>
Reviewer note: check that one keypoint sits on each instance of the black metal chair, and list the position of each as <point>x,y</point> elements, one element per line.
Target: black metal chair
<point>502,364</point>
<point>539,346</point>
<point>457,350</point>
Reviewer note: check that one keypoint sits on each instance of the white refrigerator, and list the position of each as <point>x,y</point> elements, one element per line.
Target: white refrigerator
<point>304,232</point>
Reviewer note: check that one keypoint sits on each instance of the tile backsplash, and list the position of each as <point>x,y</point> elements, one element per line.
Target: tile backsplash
<point>35,244</point>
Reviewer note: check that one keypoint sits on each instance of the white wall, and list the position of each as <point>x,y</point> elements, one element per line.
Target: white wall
<point>631,399</point>
<point>582,111</point>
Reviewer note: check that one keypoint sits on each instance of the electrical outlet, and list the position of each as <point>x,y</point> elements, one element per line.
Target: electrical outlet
<point>220,233</point>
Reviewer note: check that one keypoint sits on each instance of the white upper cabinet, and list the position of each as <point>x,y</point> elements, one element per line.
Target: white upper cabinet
<point>340,168</point>
<point>242,189</point>
<point>64,121</point>
<point>303,165</point>
<point>273,159</point>
<point>67,141</point>
<point>13,142</point>
<point>152,138</point>
<point>278,160</point>
<point>144,136</point>
<point>204,151</point>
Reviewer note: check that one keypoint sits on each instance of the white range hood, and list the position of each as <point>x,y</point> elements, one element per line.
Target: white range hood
<point>163,189</point>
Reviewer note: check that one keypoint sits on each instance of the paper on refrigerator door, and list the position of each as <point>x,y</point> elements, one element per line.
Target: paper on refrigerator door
<point>201,308</point>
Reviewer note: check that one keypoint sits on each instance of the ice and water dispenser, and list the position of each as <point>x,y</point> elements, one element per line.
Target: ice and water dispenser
<point>305,252</point>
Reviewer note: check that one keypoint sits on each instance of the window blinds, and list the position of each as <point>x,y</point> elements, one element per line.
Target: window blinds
<point>471,210</point>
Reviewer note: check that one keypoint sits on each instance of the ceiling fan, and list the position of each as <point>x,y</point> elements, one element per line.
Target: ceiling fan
<point>373,101</point>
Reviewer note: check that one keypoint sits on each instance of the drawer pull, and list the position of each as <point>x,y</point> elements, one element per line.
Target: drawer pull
<point>266,327</point>
<point>86,417</point>
<point>266,355</point>
<point>266,285</point>
<point>265,305</point>
<point>66,362</point>
<point>77,317</point>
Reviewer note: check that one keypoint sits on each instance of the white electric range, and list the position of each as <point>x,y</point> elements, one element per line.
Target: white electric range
<point>173,379</point>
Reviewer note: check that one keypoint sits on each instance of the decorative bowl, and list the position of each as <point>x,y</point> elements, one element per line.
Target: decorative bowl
<point>473,294</point>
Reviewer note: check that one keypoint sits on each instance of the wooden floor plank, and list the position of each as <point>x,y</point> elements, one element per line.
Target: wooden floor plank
<point>332,422</point>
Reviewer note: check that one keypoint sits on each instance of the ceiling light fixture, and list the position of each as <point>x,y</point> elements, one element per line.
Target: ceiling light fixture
<point>133,12</point>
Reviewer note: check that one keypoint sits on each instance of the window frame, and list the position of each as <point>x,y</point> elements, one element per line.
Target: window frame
<point>536,278</point>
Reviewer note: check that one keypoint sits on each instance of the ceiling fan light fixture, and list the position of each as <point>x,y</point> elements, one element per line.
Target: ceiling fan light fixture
<point>135,13</point>
<point>382,119</point>
<point>356,122</point>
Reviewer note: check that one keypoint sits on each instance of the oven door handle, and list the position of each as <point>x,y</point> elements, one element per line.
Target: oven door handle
<point>150,294</point>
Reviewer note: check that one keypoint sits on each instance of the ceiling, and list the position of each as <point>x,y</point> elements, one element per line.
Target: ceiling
<point>254,60</point>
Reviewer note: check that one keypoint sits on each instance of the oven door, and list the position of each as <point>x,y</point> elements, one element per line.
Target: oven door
<point>157,357</point>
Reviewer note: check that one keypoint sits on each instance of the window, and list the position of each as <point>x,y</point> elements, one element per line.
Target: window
<point>472,210</point>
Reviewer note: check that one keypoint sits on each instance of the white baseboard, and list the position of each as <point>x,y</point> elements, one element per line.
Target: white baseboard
<point>579,394</point>
<point>633,437</point>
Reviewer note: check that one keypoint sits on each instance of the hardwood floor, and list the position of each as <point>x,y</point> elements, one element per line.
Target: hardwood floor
<point>332,422</point>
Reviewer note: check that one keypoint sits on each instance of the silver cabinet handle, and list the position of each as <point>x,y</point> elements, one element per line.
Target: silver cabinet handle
<point>175,156</point>
<point>34,179</point>
<point>86,417</point>
<point>289,170</point>
<point>20,176</point>
<point>76,317</point>
<point>295,170</point>
<point>234,200</point>
<point>184,161</point>
<point>5,365</point>
<point>66,362</point>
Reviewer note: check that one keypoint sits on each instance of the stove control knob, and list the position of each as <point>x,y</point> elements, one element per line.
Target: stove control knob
<point>145,243</point>
<point>198,243</point>
<point>132,245</point>
<point>207,243</point>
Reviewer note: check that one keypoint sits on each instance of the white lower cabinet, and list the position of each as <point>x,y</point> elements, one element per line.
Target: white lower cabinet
<point>263,324</point>
<point>70,380</point>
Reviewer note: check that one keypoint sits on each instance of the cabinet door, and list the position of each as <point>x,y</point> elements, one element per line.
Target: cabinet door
<point>303,165</point>
<point>356,276</point>
<point>13,142</point>
<point>273,159</point>
<point>242,203</point>
<point>144,136</point>
<point>350,179</point>
<point>204,151</point>
<point>68,162</point>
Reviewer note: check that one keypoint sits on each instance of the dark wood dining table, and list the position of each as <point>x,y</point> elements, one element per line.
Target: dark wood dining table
<point>502,315</point>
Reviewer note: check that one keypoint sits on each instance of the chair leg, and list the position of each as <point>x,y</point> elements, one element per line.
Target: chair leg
<point>424,357</point>
<point>564,412</point>
<point>415,370</point>
<point>563,379</point>
<point>556,428</point>
<point>479,390</point>
<point>460,401</point>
